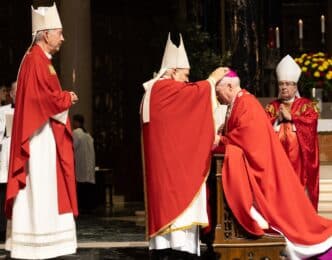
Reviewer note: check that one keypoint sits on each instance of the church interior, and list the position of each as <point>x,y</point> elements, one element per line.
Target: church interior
<point>112,47</point>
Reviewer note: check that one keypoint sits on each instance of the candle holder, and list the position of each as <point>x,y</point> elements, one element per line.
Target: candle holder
<point>301,44</point>
<point>323,42</point>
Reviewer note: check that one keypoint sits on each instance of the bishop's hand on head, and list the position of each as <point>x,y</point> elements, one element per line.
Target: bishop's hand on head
<point>218,74</point>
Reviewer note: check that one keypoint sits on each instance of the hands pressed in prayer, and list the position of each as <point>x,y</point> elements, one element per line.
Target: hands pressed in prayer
<point>284,113</point>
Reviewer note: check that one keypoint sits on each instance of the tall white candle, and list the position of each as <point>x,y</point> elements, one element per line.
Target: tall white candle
<point>74,77</point>
<point>277,38</point>
<point>322,23</point>
<point>300,29</point>
<point>313,92</point>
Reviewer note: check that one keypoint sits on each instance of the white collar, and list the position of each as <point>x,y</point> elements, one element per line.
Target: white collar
<point>49,56</point>
<point>289,100</point>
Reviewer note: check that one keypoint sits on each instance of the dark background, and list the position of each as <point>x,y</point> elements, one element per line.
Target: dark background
<point>128,40</point>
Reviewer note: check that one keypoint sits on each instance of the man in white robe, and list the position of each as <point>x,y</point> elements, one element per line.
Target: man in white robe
<point>41,196</point>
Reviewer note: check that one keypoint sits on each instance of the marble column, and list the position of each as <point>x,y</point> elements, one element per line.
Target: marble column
<point>75,55</point>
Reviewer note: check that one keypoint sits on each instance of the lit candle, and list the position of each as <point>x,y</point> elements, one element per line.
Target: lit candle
<point>74,77</point>
<point>322,23</point>
<point>277,38</point>
<point>300,29</point>
<point>313,92</point>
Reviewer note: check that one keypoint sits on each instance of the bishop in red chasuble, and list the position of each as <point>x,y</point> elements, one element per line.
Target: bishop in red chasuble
<point>257,176</point>
<point>295,120</point>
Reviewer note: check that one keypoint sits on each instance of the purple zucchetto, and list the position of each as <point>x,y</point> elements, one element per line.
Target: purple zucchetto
<point>231,74</point>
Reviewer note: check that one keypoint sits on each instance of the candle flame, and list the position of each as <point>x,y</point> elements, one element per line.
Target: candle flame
<point>74,76</point>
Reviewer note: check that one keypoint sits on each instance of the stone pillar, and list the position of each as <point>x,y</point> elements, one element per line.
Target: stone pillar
<point>75,55</point>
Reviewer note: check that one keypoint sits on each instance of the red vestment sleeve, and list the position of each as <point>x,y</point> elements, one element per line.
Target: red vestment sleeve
<point>177,149</point>
<point>305,119</point>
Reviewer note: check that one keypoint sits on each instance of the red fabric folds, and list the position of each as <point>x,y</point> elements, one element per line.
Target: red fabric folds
<point>257,173</point>
<point>39,97</point>
<point>177,144</point>
<point>305,119</point>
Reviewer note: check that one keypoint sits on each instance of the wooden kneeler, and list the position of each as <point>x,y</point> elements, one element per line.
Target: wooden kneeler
<point>229,240</point>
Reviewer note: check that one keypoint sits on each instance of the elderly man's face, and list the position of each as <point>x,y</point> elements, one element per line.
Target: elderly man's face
<point>54,39</point>
<point>181,75</point>
<point>287,89</point>
<point>224,93</point>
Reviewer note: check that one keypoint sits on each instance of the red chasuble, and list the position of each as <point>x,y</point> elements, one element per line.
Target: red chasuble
<point>177,143</point>
<point>39,97</point>
<point>257,172</point>
<point>301,146</point>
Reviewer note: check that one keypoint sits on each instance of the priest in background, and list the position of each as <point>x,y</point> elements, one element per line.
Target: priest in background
<point>84,165</point>
<point>41,190</point>
<point>295,120</point>
<point>6,120</point>
<point>178,134</point>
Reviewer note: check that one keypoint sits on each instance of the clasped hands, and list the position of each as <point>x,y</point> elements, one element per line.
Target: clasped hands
<point>284,113</point>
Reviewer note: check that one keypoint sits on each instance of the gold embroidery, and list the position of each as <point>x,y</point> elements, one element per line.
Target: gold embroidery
<point>169,229</point>
<point>41,244</point>
<point>270,109</point>
<point>52,70</point>
<point>304,108</point>
<point>315,107</point>
<point>44,234</point>
<point>168,226</point>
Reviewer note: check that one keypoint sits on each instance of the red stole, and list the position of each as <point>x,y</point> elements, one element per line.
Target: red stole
<point>177,143</point>
<point>257,173</point>
<point>39,97</point>
<point>306,161</point>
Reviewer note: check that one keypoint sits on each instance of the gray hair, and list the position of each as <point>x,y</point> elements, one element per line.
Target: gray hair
<point>39,36</point>
<point>168,74</point>
<point>234,81</point>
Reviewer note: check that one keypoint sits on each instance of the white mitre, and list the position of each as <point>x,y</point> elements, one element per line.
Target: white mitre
<point>174,57</point>
<point>182,58</point>
<point>170,54</point>
<point>45,18</point>
<point>288,70</point>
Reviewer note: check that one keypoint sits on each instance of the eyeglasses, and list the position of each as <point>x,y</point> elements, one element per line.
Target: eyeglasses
<point>286,83</point>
